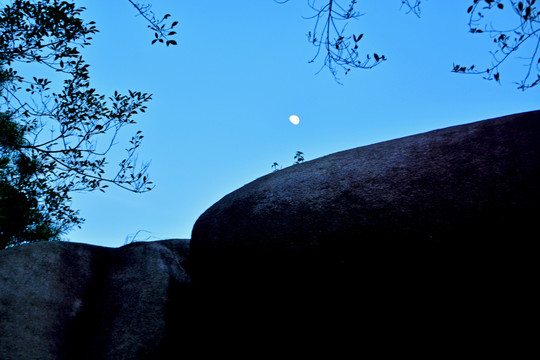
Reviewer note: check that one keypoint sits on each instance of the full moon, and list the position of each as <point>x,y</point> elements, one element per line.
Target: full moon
<point>294,119</point>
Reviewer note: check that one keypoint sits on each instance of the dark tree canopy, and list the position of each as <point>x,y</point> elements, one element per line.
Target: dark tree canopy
<point>55,137</point>
<point>23,218</point>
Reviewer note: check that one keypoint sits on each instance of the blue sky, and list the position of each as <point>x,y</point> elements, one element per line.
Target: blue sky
<point>223,96</point>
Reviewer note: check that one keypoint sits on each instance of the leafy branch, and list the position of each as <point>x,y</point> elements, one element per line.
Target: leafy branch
<point>522,39</point>
<point>55,138</point>
<point>341,50</point>
<point>162,31</point>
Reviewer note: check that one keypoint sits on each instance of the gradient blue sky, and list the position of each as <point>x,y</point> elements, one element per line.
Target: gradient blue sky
<point>222,98</point>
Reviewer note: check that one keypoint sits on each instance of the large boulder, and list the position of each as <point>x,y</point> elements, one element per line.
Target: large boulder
<point>409,241</point>
<point>426,217</point>
<point>62,300</point>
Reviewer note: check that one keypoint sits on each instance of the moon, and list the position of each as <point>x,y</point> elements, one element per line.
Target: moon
<point>295,120</point>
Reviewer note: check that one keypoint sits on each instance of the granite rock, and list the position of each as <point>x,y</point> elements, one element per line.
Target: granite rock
<point>61,300</point>
<point>427,240</point>
<point>420,216</point>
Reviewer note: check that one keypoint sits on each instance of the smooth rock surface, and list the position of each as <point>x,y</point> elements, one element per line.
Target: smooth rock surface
<point>425,241</point>
<point>430,216</point>
<point>61,300</point>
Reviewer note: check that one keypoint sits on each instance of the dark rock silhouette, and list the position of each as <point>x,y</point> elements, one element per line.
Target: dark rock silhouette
<point>440,220</point>
<point>74,301</point>
<point>466,188</point>
<point>416,240</point>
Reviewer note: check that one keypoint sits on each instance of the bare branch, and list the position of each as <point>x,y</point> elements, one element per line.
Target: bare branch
<point>414,8</point>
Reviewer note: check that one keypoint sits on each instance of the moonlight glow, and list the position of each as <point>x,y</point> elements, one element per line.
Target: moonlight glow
<point>294,119</point>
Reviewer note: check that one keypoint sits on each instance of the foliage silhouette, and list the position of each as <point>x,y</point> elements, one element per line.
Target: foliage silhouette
<point>340,50</point>
<point>55,136</point>
<point>521,40</point>
<point>298,159</point>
